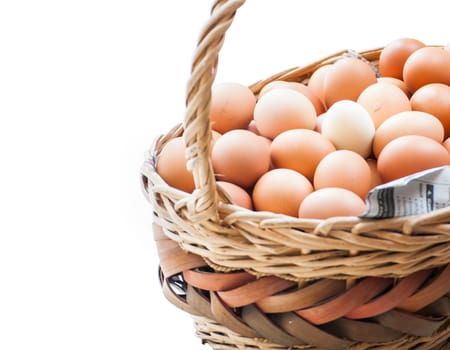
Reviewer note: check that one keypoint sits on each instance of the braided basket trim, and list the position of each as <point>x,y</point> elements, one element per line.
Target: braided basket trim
<point>221,338</point>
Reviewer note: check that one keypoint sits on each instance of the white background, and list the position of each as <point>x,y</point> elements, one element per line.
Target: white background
<point>85,86</point>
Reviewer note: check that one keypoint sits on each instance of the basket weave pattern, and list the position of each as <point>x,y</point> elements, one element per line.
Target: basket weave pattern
<point>258,280</point>
<point>239,311</point>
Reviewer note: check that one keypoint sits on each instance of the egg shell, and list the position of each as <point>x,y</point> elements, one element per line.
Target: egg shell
<point>275,84</point>
<point>383,100</point>
<point>346,79</point>
<point>237,194</point>
<point>397,82</point>
<point>344,169</point>
<point>434,99</point>
<point>299,87</point>
<point>394,55</point>
<point>409,154</point>
<point>331,202</point>
<point>269,143</point>
<point>349,126</point>
<point>283,109</point>
<point>300,150</point>
<point>281,191</point>
<point>240,157</point>
<point>374,175</point>
<point>232,106</point>
<point>316,81</point>
<point>426,66</point>
<point>305,90</point>
<point>171,165</point>
<point>407,123</point>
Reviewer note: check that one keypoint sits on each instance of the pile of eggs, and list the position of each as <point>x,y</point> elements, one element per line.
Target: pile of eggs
<point>315,150</point>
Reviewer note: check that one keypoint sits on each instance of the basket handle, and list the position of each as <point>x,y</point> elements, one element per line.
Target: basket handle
<point>197,129</point>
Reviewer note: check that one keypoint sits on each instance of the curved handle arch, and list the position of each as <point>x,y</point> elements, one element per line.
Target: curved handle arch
<point>197,129</point>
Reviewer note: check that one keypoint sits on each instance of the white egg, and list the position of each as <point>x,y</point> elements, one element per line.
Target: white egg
<point>349,126</point>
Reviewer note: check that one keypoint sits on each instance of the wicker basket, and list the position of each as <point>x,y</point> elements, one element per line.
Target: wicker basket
<point>258,280</point>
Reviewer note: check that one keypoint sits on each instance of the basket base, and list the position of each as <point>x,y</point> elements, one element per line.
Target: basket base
<point>222,338</point>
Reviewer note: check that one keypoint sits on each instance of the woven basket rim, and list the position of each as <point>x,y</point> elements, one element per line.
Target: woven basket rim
<point>230,238</point>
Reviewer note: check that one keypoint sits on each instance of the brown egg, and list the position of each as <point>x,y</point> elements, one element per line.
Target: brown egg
<point>299,87</point>
<point>275,84</point>
<point>240,157</point>
<point>305,90</point>
<point>394,55</point>
<point>425,66</point>
<point>300,150</point>
<point>407,123</point>
<point>171,165</point>
<point>346,79</point>
<point>237,194</point>
<point>374,175</point>
<point>344,169</point>
<point>407,155</point>
<point>317,81</point>
<point>231,107</point>
<point>397,82</point>
<point>283,109</point>
<point>383,100</point>
<point>330,202</point>
<point>281,191</point>
<point>434,99</point>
